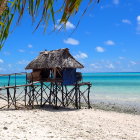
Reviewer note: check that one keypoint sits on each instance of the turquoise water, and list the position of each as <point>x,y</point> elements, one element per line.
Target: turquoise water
<point>121,88</point>
<point>18,79</point>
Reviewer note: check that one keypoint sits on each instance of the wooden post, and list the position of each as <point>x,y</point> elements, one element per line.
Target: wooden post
<point>14,97</point>
<point>88,97</point>
<point>26,91</point>
<point>33,97</point>
<point>76,95</point>
<point>25,96</point>
<point>29,94</point>
<point>62,95</point>
<point>8,93</point>
<point>51,87</point>
<point>56,92</point>
<point>79,97</point>
<point>41,93</point>
<point>66,96</point>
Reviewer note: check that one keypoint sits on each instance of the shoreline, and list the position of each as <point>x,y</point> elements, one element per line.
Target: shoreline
<point>105,105</point>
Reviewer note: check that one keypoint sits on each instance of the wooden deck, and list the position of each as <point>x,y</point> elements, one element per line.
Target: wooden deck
<point>40,93</point>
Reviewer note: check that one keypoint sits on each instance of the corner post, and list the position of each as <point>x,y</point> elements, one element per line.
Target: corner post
<point>41,93</point>
<point>76,95</point>
<point>89,106</point>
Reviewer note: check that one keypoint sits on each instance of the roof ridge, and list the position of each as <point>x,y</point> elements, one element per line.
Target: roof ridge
<point>54,58</point>
<point>44,52</point>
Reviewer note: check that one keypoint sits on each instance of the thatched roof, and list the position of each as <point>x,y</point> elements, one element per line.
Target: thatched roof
<point>54,59</point>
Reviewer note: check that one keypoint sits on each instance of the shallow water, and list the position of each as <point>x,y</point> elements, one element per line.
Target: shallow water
<point>118,88</point>
<point>108,88</point>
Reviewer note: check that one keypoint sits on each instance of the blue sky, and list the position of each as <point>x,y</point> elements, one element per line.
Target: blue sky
<point>107,39</point>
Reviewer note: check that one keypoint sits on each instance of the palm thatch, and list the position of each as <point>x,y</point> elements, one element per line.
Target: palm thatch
<point>54,59</point>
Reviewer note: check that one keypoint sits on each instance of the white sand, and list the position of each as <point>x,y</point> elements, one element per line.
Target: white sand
<point>61,124</point>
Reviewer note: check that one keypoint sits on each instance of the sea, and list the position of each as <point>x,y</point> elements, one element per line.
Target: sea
<point>110,91</point>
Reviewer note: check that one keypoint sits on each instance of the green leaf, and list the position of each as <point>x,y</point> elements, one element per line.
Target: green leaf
<point>1,23</point>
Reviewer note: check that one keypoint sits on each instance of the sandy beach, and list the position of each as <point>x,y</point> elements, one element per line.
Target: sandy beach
<point>66,124</point>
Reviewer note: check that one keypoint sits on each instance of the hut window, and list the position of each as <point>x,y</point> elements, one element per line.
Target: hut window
<point>45,73</point>
<point>78,76</point>
<point>36,70</point>
<point>58,73</point>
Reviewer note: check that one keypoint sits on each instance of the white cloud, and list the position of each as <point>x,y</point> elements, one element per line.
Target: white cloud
<point>2,69</point>
<point>138,24</point>
<point>99,49</point>
<point>10,65</point>
<point>58,27</point>
<point>21,51</point>
<point>138,19</point>
<point>96,66</point>
<point>118,62</point>
<point>110,66</point>
<point>133,62</point>
<point>23,62</point>
<point>1,61</point>
<point>121,58</point>
<point>106,6</point>
<point>71,41</point>
<point>116,2</point>
<point>110,42</point>
<point>30,46</point>
<point>68,25</point>
<point>81,55</point>
<point>91,15</point>
<point>126,21</point>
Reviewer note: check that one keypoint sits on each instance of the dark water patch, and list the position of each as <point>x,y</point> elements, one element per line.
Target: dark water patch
<point>116,107</point>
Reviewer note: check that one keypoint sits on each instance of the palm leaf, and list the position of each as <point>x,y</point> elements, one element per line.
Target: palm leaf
<point>47,9</point>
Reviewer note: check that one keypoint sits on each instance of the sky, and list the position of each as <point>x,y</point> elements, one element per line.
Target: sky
<point>106,40</point>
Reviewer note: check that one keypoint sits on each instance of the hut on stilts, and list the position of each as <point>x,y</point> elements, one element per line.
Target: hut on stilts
<point>53,81</point>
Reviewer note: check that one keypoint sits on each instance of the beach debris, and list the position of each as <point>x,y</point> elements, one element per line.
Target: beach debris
<point>5,128</point>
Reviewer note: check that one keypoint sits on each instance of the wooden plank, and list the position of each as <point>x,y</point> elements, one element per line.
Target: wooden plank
<point>13,74</point>
<point>1,88</point>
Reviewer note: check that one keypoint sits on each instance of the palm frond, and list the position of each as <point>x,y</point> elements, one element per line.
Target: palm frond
<point>46,8</point>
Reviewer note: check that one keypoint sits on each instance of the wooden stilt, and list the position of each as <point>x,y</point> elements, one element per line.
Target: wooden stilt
<point>79,98</point>
<point>56,92</point>
<point>8,99</point>
<point>76,95</point>
<point>62,95</point>
<point>14,97</point>
<point>66,95</point>
<point>25,97</point>
<point>41,93</point>
<point>89,106</point>
<point>8,92</point>
<point>51,88</point>
<point>33,96</point>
